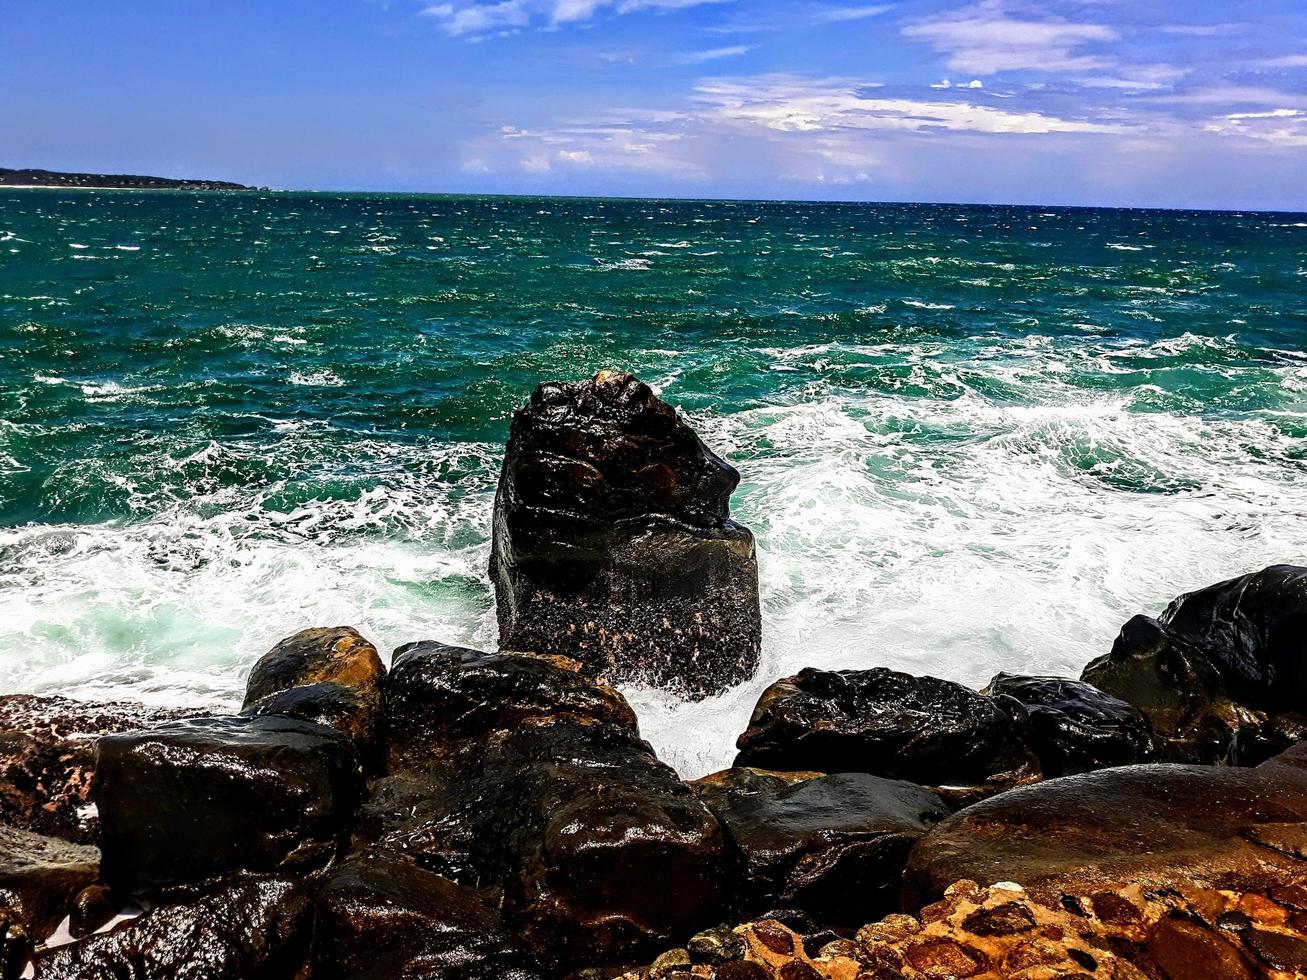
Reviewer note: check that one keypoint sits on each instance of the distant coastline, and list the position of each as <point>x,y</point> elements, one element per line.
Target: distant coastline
<point>52,178</point>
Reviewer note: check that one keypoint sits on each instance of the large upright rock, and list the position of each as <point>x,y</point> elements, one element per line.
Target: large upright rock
<point>613,541</point>
<point>1218,660</point>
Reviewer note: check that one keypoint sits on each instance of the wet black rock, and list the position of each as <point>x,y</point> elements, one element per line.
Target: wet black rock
<point>613,541</point>
<point>1217,660</point>
<point>605,856</point>
<point>39,879</point>
<point>253,929</point>
<point>328,675</point>
<point>520,775</point>
<point>441,699</point>
<point>205,797</point>
<point>377,919</point>
<point>47,756</point>
<point>1074,727</point>
<point>928,731</point>
<point>831,846</point>
<point>1254,744</point>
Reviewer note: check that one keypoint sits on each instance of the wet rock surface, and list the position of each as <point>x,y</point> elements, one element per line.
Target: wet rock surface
<point>377,919</point>
<point>47,756</point>
<point>441,699</point>
<point>331,676</point>
<point>613,541</point>
<point>832,846</point>
<point>928,731</point>
<point>205,797</point>
<point>39,879</point>
<point>521,775</point>
<point>1216,661</point>
<point>1073,727</point>
<point>1160,826</point>
<point>255,929</point>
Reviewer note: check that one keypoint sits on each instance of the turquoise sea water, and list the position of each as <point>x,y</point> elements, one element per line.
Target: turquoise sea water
<point>972,439</point>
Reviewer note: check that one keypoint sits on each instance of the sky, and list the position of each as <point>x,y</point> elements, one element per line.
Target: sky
<point>1165,103</point>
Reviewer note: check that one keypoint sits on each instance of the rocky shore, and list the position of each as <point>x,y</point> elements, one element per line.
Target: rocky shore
<point>469,814</point>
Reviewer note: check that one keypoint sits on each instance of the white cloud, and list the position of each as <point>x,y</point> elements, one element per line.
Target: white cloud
<point>1200,30</point>
<point>575,156</point>
<point>788,104</point>
<point>536,164</point>
<point>713,54</point>
<point>985,38</point>
<point>1285,61</point>
<point>839,15</point>
<point>475,18</point>
<point>1281,127</point>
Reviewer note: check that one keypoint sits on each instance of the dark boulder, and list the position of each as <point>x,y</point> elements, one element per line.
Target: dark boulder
<point>520,775</point>
<point>604,855</point>
<point>928,731</point>
<point>47,755</point>
<point>1074,727</point>
<point>39,879</point>
<point>425,818</point>
<point>380,919</point>
<point>1152,826</point>
<point>613,541</point>
<point>205,797</point>
<point>1254,744</point>
<point>332,676</point>
<point>1217,660</point>
<point>441,699</point>
<point>831,846</point>
<point>254,929</point>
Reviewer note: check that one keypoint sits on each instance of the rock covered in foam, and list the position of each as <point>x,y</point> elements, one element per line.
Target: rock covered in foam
<point>1216,661</point>
<point>832,846</point>
<point>613,541</point>
<point>205,797</point>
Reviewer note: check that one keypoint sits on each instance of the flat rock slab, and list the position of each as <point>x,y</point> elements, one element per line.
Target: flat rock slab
<point>39,880</point>
<point>206,797</point>
<point>1158,826</point>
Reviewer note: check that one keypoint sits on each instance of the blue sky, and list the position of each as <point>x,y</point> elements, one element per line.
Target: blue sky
<point>1121,102</point>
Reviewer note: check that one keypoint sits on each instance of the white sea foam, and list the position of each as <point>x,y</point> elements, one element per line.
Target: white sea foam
<point>940,531</point>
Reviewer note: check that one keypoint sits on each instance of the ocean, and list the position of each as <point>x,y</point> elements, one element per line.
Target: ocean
<point>972,439</point>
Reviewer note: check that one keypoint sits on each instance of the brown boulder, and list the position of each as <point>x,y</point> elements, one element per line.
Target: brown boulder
<point>1159,826</point>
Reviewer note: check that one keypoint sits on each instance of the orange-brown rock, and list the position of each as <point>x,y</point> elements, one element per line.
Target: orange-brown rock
<point>1004,933</point>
